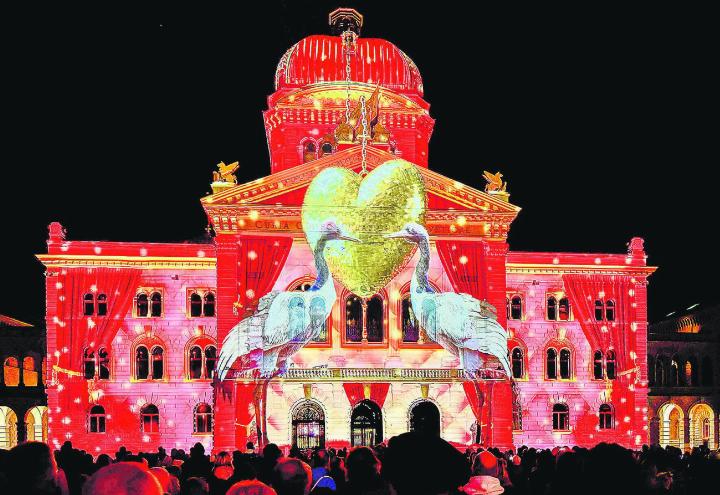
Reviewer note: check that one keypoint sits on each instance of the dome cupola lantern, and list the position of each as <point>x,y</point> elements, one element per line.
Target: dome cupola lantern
<point>343,20</point>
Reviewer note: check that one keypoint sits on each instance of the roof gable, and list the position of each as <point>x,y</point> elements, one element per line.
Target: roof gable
<point>288,187</point>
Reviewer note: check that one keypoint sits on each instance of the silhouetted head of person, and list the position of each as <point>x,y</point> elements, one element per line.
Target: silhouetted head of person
<point>31,469</point>
<point>124,478</point>
<point>169,483</point>
<point>320,458</point>
<point>485,464</point>
<point>363,467</point>
<point>197,450</point>
<point>272,452</point>
<point>250,487</point>
<point>195,486</point>
<point>292,477</point>
<point>423,465</point>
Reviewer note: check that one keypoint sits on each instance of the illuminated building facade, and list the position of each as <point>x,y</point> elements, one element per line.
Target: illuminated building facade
<point>23,411</point>
<point>134,328</point>
<point>684,393</point>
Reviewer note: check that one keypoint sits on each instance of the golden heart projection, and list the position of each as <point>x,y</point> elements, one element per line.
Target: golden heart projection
<point>385,200</point>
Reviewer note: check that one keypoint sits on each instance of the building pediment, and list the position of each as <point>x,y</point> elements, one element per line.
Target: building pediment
<point>273,202</point>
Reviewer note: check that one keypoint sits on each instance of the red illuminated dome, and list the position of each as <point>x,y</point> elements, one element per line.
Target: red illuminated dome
<point>320,59</point>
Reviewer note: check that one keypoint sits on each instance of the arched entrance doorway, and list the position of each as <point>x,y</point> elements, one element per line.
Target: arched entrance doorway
<point>8,428</point>
<point>425,418</point>
<point>36,424</point>
<point>308,425</point>
<point>672,430</point>
<point>366,424</point>
<point>702,420</point>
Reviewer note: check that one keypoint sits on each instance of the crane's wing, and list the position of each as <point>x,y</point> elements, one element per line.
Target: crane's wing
<point>464,322</point>
<point>245,340</point>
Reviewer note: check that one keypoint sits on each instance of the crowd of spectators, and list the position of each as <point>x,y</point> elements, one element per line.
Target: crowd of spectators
<point>409,464</point>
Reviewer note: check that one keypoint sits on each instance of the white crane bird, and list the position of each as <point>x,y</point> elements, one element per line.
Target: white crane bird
<point>458,322</point>
<point>282,324</point>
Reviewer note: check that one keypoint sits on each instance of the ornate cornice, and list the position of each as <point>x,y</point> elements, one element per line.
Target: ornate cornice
<point>559,269</point>
<point>144,262</point>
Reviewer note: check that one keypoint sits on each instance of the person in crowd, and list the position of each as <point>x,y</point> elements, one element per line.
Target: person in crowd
<point>31,469</point>
<point>250,487</point>
<point>195,486</point>
<point>292,477</point>
<point>198,464</point>
<point>338,472</point>
<point>266,466</point>
<point>222,474</point>
<point>169,484</point>
<point>320,474</point>
<point>123,478</point>
<point>363,473</point>
<point>485,479</point>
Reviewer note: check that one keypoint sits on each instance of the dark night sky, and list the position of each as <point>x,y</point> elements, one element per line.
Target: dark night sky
<point>597,118</point>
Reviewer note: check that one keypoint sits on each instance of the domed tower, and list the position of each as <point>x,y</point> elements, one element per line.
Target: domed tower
<point>316,110</point>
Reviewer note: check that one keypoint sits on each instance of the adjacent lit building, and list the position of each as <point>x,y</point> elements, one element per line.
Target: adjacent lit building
<point>23,411</point>
<point>134,329</point>
<point>684,392</point>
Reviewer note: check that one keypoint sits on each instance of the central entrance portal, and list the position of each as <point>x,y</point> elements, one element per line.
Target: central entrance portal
<point>366,424</point>
<point>425,418</point>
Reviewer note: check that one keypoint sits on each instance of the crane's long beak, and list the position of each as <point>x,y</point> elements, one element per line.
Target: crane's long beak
<point>345,237</point>
<point>396,235</point>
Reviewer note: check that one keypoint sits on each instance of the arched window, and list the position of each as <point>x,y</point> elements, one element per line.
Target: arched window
<point>141,305</point>
<point>610,310</point>
<point>565,364</point>
<point>156,305</point>
<point>605,416</point>
<point>410,325</point>
<point>564,309</point>
<point>195,365</point>
<point>660,374</point>
<point>30,374</point>
<point>101,305</point>
<point>326,149</point>
<point>11,372</point>
<point>88,364</point>
<point>210,360</point>
<point>552,309</point>
<point>675,371</point>
<point>96,419</point>
<point>36,424</point>
<point>674,423</point>
<point>309,152</point>
<point>150,419</point>
<point>599,310</point>
<point>308,425</point>
<point>707,372</point>
<point>195,305</point>
<point>561,417</point>
<point>88,305</point>
<point>610,364</point>
<point>598,365</point>
<point>209,304</point>
<point>518,363</point>
<point>142,363</point>
<point>203,421</point>
<point>353,319</point>
<point>157,363</point>
<point>8,428</point>
<point>375,319</point>
<point>516,308</point>
<point>551,364</point>
<point>103,364</point>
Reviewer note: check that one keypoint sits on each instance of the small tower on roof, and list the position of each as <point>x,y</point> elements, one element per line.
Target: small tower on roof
<point>343,19</point>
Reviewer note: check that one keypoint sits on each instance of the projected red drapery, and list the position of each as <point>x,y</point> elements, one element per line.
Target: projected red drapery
<point>356,392</point>
<point>465,265</point>
<point>260,262</point>
<point>618,335</point>
<point>76,331</point>
<point>471,393</point>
